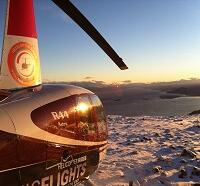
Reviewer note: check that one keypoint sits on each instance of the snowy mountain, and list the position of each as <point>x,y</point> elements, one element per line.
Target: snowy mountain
<point>151,151</point>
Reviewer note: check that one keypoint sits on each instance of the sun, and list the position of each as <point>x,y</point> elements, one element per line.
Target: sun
<point>82,107</point>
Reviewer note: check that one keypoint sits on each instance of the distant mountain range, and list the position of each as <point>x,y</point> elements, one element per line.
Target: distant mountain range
<point>179,88</point>
<point>138,98</point>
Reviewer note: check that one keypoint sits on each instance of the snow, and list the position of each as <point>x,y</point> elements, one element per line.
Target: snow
<point>151,151</point>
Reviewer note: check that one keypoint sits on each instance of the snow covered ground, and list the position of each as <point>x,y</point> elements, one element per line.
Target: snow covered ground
<point>151,151</point>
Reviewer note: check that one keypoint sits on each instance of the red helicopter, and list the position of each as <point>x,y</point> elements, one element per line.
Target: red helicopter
<point>51,135</point>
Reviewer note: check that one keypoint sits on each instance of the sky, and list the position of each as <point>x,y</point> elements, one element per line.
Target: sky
<point>158,40</point>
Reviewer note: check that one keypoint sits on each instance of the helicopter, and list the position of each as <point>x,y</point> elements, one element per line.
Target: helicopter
<point>51,134</point>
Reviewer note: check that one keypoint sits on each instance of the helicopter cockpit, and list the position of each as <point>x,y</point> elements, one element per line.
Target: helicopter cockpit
<point>78,116</point>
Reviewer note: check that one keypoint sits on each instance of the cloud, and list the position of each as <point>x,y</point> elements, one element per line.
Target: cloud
<point>88,77</point>
<point>99,82</point>
<point>126,81</point>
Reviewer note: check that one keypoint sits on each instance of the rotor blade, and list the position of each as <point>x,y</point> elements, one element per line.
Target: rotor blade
<point>83,22</point>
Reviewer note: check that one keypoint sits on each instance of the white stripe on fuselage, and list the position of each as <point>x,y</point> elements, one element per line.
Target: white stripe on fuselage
<point>6,170</point>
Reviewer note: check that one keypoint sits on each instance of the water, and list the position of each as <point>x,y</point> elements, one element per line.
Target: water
<point>155,107</point>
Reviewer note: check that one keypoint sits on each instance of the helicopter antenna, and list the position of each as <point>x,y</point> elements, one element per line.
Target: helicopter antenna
<point>20,66</point>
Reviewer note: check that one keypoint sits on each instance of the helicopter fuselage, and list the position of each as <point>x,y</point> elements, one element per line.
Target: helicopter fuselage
<point>53,136</point>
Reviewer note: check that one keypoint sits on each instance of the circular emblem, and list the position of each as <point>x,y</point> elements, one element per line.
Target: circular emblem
<point>23,64</point>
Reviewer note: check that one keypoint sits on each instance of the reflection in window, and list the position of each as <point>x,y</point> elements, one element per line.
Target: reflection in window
<point>91,119</point>
<point>86,125</point>
<point>59,117</point>
<point>99,114</point>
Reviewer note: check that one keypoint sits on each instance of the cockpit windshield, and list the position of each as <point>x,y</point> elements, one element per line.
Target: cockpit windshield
<point>91,118</point>
<point>99,116</point>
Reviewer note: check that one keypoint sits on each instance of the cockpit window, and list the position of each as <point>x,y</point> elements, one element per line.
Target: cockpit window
<point>91,120</point>
<point>86,125</point>
<point>98,107</point>
<point>98,114</point>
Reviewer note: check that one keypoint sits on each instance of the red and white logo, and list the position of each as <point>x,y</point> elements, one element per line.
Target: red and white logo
<point>23,63</point>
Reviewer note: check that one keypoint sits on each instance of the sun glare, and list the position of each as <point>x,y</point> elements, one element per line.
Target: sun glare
<point>82,107</point>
